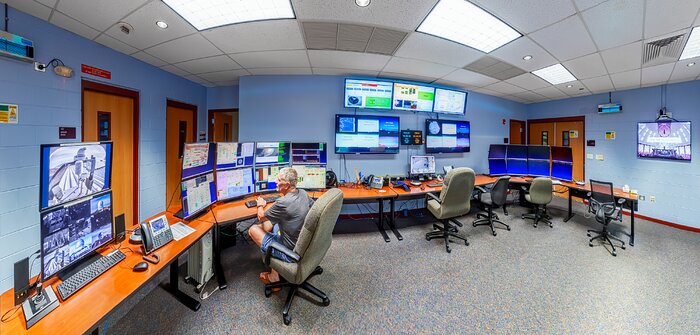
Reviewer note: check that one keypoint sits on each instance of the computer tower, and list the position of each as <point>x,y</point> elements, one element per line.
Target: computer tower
<point>200,262</point>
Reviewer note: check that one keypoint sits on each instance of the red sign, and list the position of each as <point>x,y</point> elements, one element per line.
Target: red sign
<point>96,71</point>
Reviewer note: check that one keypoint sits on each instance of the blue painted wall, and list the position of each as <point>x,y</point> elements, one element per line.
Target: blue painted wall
<point>47,101</point>
<point>222,97</point>
<point>675,184</point>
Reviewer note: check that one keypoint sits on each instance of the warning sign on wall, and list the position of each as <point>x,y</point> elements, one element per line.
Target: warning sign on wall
<point>9,113</point>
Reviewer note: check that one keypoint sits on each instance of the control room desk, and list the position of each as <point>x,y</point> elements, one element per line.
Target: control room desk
<point>81,312</point>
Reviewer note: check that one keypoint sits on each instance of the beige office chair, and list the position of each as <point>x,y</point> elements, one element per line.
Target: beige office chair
<point>540,194</point>
<point>312,245</point>
<point>454,201</point>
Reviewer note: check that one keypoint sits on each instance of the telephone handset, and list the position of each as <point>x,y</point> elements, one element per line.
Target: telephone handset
<point>155,234</point>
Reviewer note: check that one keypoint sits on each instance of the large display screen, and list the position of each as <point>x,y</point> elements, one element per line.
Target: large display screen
<point>197,158</point>
<point>449,101</point>
<point>664,140</point>
<point>540,152</point>
<point>265,178</point>
<point>413,97</point>
<point>72,171</point>
<point>422,165</point>
<point>444,136</point>
<point>497,151</point>
<point>368,93</point>
<point>366,134</point>
<point>272,153</point>
<point>562,170</point>
<point>497,167</point>
<point>197,194</point>
<point>309,153</point>
<point>538,168</point>
<point>562,154</point>
<point>311,176</point>
<point>73,231</point>
<point>517,151</point>
<point>234,183</point>
<point>234,155</point>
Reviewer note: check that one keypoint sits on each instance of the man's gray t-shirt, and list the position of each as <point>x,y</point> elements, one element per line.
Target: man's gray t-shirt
<point>289,213</point>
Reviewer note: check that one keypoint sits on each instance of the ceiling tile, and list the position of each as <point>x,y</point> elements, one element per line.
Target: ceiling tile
<point>682,72</point>
<point>626,80</point>
<point>657,74</point>
<point>144,57</point>
<point>289,58</point>
<point>197,79</point>
<point>417,67</point>
<point>551,92</point>
<point>50,3</point>
<point>343,72</point>
<point>566,40</point>
<point>517,99</point>
<point>585,4</point>
<point>399,14</point>
<point>221,76</point>
<point>624,58</point>
<point>576,88</point>
<point>98,14</point>
<point>528,16</point>
<point>469,78</point>
<point>528,81</point>
<point>406,76</point>
<point>115,44</point>
<point>227,82</point>
<point>599,84</point>
<point>449,83</point>
<point>615,22</point>
<point>280,70</point>
<point>506,88</point>
<point>347,60</point>
<point>185,48</point>
<point>257,36</point>
<point>514,52</point>
<point>73,26</point>
<point>146,34</point>
<point>209,64</point>
<point>437,50</point>
<point>586,67</point>
<point>487,91</point>
<point>31,8</point>
<point>530,96</point>
<point>669,16</point>
<point>175,70</point>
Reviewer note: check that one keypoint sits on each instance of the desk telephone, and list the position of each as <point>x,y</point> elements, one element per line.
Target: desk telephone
<point>155,234</point>
<point>373,182</point>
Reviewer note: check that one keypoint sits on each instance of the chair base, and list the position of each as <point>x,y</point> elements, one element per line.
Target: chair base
<point>293,288</point>
<point>446,232</point>
<point>539,215</point>
<point>606,237</point>
<point>488,219</point>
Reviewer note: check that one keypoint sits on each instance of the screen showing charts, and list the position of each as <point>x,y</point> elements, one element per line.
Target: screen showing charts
<point>664,140</point>
<point>413,97</point>
<point>197,194</point>
<point>446,136</point>
<point>272,153</point>
<point>366,134</point>
<point>449,101</point>
<point>234,183</point>
<point>72,171</point>
<point>311,176</point>
<point>197,158</point>
<point>309,153</point>
<point>72,231</point>
<point>422,164</point>
<point>234,155</point>
<point>368,93</point>
<point>265,178</point>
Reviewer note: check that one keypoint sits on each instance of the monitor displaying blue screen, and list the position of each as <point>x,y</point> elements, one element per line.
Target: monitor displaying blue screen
<point>366,134</point>
<point>234,155</point>
<point>497,151</point>
<point>517,167</point>
<point>563,171</point>
<point>309,153</point>
<point>444,136</point>
<point>539,168</point>
<point>197,158</point>
<point>538,152</point>
<point>497,167</point>
<point>562,154</point>
<point>517,151</point>
<point>197,194</point>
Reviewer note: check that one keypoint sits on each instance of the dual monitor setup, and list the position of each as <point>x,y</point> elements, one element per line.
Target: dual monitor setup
<point>531,160</point>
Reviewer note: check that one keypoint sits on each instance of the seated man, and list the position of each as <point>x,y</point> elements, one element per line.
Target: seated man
<point>281,222</point>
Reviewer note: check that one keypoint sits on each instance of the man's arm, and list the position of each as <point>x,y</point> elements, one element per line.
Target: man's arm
<point>261,210</point>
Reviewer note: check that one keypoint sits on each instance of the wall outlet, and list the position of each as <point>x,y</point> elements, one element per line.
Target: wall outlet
<point>589,156</point>
<point>641,197</point>
<point>599,157</point>
<point>39,67</point>
<point>652,198</point>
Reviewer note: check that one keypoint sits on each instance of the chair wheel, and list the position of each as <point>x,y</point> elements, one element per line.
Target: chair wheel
<point>589,234</point>
<point>508,228</point>
<point>326,302</point>
<point>427,238</point>
<point>320,271</point>
<point>534,225</point>
<point>590,244</point>
<point>494,233</point>
<point>466,243</point>
<point>473,224</point>
<point>551,226</point>
<point>287,319</point>
<point>268,292</point>
<point>623,247</point>
<point>448,250</point>
<point>614,254</point>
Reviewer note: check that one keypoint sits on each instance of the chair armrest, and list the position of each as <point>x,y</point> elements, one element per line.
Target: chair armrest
<point>283,249</point>
<point>433,196</point>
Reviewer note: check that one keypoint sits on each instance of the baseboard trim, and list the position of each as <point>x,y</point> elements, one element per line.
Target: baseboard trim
<point>663,222</point>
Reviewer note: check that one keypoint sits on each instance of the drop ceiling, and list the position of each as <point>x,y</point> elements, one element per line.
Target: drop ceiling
<point>604,44</point>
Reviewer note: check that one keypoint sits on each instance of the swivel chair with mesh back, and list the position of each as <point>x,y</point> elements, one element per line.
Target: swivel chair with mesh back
<point>540,194</point>
<point>453,202</point>
<point>601,203</point>
<point>496,197</point>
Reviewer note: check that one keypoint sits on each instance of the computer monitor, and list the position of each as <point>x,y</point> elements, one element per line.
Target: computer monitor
<point>73,170</point>
<point>516,167</point>
<point>538,152</point>
<point>272,153</point>
<point>234,183</point>
<point>72,231</point>
<point>516,151</point>
<point>197,194</point>
<point>197,158</point>
<point>366,134</point>
<point>497,167</point>
<point>234,155</point>
<point>562,154</point>
<point>445,136</point>
<point>562,170</point>
<point>265,178</point>
<point>311,176</point>
<point>538,167</point>
<point>309,153</point>
<point>497,151</point>
<point>422,165</point>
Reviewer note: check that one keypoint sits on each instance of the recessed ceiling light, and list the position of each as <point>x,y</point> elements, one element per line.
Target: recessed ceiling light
<point>362,3</point>
<point>690,64</point>
<point>527,57</point>
<point>569,86</point>
<point>161,24</point>
<point>462,22</point>
<point>692,47</point>
<point>206,14</point>
<point>555,74</point>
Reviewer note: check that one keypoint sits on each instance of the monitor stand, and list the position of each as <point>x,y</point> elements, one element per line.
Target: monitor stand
<point>81,265</point>
<point>179,214</point>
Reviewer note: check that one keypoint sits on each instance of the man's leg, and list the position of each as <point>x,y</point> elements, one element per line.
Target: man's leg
<point>257,234</point>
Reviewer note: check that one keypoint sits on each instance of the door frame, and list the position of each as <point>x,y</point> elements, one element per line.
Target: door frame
<point>579,118</point>
<point>87,85</point>
<point>210,120</point>
<point>523,135</point>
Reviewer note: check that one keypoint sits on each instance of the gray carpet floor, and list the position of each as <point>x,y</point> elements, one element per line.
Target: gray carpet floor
<point>524,281</point>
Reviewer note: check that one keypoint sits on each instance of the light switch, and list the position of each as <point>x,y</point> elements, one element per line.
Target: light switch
<point>589,156</point>
<point>599,157</point>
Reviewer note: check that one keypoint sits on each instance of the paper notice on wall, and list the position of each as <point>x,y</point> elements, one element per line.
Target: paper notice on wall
<point>609,135</point>
<point>573,133</point>
<point>9,113</point>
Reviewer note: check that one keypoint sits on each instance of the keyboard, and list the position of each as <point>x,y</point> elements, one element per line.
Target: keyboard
<point>253,203</point>
<point>81,278</point>
<point>435,185</point>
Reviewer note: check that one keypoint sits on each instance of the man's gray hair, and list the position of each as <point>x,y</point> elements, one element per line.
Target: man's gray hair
<point>289,175</point>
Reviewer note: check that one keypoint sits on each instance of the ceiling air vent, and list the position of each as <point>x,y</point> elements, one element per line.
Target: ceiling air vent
<point>664,50</point>
<point>351,37</point>
<point>494,68</point>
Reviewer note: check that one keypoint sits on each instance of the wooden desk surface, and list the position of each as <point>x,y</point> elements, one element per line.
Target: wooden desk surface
<point>87,307</point>
<point>418,190</point>
<point>616,190</point>
<point>361,193</point>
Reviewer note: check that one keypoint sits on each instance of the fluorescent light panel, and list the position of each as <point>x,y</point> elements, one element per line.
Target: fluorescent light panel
<point>463,22</point>
<point>206,14</point>
<point>692,47</point>
<point>555,74</point>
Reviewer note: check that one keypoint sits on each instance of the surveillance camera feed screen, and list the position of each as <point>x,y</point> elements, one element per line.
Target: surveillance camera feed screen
<point>368,93</point>
<point>664,140</point>
<point>272,153</point>
<point>71,171</point>
<point>446,136</point>
<point>69,233</point>
<point>366,134</point>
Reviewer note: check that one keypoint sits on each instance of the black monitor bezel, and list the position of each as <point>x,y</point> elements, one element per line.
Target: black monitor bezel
<point>238,197</point>
<point>255,155</point>
<point>216,156</point>
<point>398,135</point>
<point>437,150</point>
<point>192,215</point>
<point>291,154</point>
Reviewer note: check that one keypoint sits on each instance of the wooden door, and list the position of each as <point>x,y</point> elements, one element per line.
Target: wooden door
<point>517,132</point>
<point>223,127</point>
<point>575,142</point>
<point>541,133</point>
<point>108,116</point>
<point>180,129</point>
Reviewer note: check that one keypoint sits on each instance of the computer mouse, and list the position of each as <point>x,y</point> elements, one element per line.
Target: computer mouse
<point>140,267</point>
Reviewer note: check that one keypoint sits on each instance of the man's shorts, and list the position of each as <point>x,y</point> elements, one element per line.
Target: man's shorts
<point>275,236</point>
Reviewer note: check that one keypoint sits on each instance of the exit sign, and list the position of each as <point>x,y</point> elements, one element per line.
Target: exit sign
<point>94,71</point>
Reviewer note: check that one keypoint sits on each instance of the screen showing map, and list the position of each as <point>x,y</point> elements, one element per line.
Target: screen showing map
<point>197,194</point>
<point>234,155</point>
<point>449,101</point>
<point>197,158</point>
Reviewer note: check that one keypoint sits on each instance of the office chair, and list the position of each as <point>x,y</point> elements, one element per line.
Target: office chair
<point>454,201</point>
<point>312,245</point>
<point>601,202</point>
<point>540,194</point>
<point>496,197</point>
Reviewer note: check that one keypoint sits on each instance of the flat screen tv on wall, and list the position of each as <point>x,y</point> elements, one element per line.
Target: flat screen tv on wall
<point>664,140</point>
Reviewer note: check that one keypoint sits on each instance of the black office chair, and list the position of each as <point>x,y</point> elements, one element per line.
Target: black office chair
<point>601,203</point>
<point>496,197</point>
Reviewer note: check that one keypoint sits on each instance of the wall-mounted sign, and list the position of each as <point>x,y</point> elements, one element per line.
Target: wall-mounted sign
<point>590,143</point>
<point>94,71</point>
<point>66,133</point>
<point>609,135</point>
<point>9,113</point>
<point>573,133</point>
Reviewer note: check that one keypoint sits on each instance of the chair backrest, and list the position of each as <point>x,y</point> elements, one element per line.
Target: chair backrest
<point>499,191</point>
<point>602,191</point>
<point>315,235</point>
<point>456,192</point>
<point>541,191</point>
